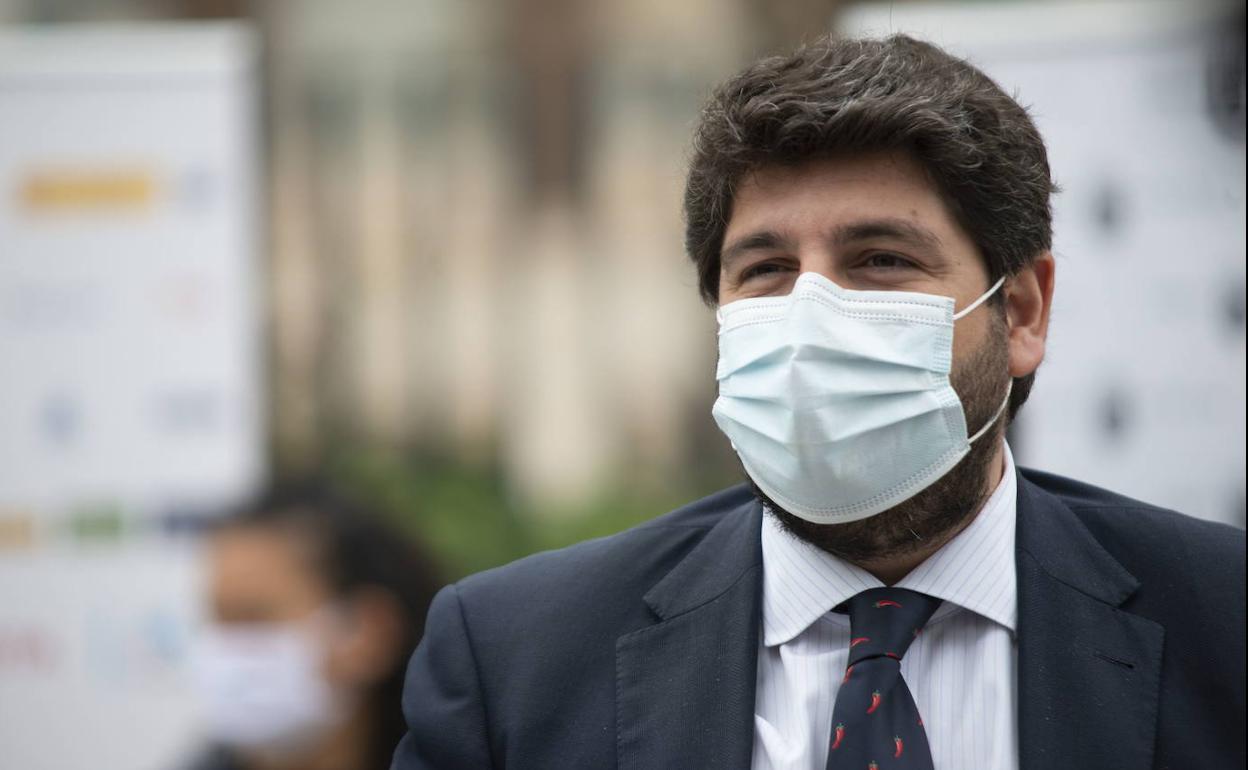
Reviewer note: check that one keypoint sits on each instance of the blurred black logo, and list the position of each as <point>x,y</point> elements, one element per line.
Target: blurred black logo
<point>1224,81</point>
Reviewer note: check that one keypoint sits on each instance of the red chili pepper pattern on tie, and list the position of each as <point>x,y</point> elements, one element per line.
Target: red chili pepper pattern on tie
<point>876,725</point>
<point>840,736</point>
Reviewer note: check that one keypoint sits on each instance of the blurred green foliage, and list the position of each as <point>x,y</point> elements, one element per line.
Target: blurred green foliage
<point>468,520</point>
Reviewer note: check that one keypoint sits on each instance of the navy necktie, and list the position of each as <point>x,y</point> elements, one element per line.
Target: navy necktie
<point>875,724</point>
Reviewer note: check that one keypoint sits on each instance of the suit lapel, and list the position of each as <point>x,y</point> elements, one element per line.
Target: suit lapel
<point>1088,671</point>
<point>685,686</point>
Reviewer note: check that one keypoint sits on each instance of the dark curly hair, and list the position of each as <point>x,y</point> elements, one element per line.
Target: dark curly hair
<point>979,146</point>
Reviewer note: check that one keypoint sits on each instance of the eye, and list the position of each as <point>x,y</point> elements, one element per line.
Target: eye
<point>760,270</point>
<point>884,260</point>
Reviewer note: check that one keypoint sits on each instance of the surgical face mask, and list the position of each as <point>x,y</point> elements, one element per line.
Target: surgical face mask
<point>838,402</point>
<point>262,686</point>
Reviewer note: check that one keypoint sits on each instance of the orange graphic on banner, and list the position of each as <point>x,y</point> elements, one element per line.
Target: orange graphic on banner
<point>17,530</point>
<point>49,191</point>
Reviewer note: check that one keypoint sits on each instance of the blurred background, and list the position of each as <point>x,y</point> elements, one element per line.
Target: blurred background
<point>429,253</point>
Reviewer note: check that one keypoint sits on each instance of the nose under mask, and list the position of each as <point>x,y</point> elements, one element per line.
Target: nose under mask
<point>837,401</point>
<point>262,687</point>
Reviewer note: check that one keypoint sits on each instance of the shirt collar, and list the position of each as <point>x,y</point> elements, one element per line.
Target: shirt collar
<point>975,571</point>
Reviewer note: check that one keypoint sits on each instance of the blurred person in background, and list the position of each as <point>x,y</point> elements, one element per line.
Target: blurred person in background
<point>314,604</point>
<point>872,220</point>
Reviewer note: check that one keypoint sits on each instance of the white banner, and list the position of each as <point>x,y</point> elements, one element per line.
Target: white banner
<point>131,392</point>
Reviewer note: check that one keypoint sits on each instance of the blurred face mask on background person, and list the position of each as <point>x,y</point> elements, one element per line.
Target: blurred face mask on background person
<point>837,401</point>
<point>263,687</point>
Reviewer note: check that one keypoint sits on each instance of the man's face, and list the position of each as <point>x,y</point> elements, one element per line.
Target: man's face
<point>875,222</point>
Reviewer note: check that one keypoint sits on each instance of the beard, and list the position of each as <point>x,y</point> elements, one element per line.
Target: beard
<point>940,510</point>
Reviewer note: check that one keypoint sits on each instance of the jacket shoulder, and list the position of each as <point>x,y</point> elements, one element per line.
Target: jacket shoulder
<point>1169,547</point>
<point>614,569</point>
<point>1133,518</point>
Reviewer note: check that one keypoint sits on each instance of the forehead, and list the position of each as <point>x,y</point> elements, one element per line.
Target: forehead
<point>264,565</point>
<point>832,190</point>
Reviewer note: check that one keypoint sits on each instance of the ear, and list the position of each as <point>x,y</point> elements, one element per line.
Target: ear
<point>1028,298</point>
<point>369,638</point>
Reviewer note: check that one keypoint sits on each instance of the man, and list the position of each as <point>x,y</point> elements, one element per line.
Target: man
<point>872,220</point>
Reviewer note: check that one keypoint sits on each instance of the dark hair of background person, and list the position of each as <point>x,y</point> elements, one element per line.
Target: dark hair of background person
<point>354,547</point>
<point>978,145</point>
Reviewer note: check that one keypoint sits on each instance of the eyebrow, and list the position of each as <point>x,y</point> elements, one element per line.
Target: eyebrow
<point>759,241</point>
<point>886,227</point>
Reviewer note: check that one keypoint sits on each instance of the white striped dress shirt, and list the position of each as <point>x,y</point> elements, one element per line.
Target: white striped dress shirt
<point>961,669</point>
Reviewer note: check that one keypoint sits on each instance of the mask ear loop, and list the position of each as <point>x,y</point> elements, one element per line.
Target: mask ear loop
<point>1009,388</point>
<point>982,299</point>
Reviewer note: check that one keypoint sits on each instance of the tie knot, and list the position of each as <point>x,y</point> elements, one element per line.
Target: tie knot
<point>884,621</point>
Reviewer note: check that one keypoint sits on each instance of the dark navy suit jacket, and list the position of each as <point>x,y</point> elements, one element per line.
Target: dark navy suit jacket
<point>639,650</point>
